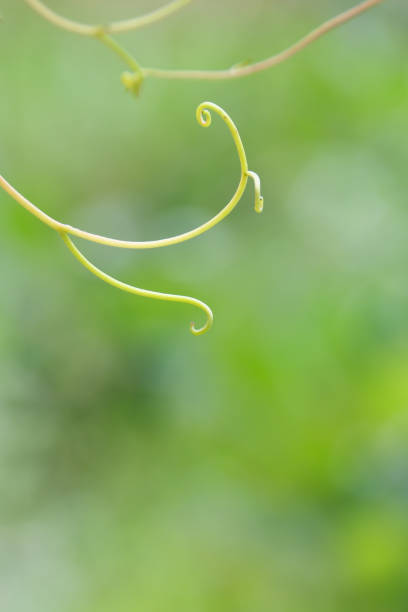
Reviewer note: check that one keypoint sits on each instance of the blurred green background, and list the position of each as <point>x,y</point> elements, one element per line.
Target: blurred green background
<point>262,467</point>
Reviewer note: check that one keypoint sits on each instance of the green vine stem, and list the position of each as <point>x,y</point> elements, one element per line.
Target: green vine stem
<point>167,297</point>
<point>134,79</point>
<point>243,71</point>
<point>131,80</point>
<point>203,115</point>
<point>111,28</point>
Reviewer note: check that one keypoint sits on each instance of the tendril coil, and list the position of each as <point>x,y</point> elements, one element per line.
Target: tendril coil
<point>204,118</point>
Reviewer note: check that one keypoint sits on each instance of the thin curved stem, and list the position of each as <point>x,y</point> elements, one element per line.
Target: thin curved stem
<point>133,82</point>
<point>243,71</point>
<point>146,20</point>
<point>61,22</point>
<point>115,27</point>
<point>259,201</point>
<point>32,208</point>
<point>203,116</point>
<point>166,297</point>
<point>121,52</point>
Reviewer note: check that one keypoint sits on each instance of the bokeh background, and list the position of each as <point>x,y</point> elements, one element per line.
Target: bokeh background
<point>262,467</point>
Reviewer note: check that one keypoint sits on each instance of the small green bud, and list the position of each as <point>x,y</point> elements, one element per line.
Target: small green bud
<point>132,81</point>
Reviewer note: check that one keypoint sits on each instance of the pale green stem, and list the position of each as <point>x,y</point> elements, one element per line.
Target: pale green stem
<point>146,20</point>
<point>101,32</point>
<point>32,208</point>
<point>120,51</point>
<point>166,297</point>
<point>118,26</point>
<point>259,201</point>
<point>210,75</point>
<point>242,71</point>
<point>204,118</point>
<point>203,115</point>
<point>61,22</point>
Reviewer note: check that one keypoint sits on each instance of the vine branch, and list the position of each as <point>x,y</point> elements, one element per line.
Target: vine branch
<point>112,28</point>
<point>133,80</point>
<point>243,71</point>
<point>203,116</point>
<point>155,295</point>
